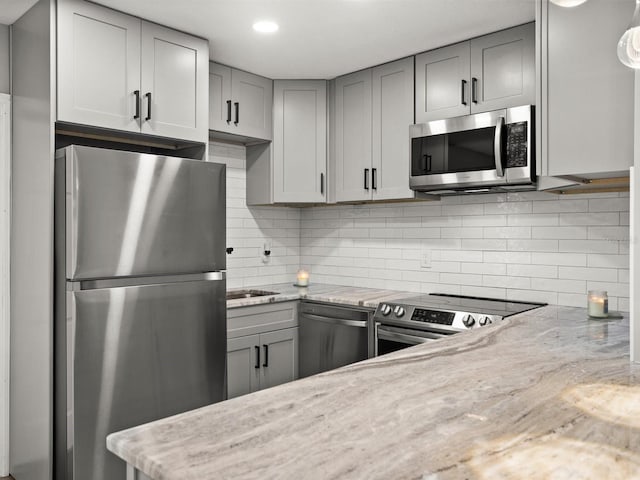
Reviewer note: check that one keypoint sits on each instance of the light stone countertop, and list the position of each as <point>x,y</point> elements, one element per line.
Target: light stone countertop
<point>544,394</point>
<point>354,296</point>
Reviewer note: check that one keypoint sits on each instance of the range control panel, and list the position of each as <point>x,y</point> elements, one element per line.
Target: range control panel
<point>433,316</point>
<point>428,318</point>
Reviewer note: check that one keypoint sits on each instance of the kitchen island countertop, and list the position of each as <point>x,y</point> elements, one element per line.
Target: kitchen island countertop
<point>545,394</point>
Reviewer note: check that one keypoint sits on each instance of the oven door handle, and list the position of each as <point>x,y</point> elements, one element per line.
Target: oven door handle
<point>403,337</point>
<point>497,146</point>
<point>336,321</point>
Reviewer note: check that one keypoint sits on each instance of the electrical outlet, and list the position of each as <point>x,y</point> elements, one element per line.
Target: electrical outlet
<point>266,252</point>
<point>425,259</point>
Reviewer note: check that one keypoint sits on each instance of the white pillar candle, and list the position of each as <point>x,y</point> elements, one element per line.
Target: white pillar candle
<point>302,278</point>
<point>598,304</point>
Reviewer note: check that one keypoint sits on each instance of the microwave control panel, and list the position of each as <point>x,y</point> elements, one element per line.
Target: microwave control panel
<point>517,144</point>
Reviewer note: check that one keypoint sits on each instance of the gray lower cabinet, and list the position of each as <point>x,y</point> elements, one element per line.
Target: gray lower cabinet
<point>240,102</point>
<point>120,72</point>
<point>586,106</point>
<point>262,347</point>
<point>486,73</point>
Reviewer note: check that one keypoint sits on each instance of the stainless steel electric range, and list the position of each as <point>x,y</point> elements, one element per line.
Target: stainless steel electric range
<point>426,318</point>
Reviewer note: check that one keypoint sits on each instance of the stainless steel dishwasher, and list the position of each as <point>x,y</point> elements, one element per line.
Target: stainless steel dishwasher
<point>332,336</point>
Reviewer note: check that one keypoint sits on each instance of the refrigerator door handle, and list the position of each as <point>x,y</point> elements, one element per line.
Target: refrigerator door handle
<point>76,286</point>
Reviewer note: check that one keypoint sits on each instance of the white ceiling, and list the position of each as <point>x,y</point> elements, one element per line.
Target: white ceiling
<point>325,38</point>
<point>11,10</point>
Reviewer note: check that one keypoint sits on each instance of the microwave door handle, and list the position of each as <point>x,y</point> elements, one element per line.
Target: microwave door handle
<point>497,146</point>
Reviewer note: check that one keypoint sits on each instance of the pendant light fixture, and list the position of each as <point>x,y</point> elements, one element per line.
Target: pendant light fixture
<point>629,44</point>
<point>568,3</point>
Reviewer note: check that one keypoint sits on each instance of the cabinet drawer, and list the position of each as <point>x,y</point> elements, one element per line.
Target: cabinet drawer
<point>257,319</point>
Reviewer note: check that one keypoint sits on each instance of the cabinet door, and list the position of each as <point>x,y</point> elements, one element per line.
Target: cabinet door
<point>243,367</point>
<point>392,115</point>
<point>220,105</point>
<point>589,94</point>
<point>254,98</point>
<point>503,69</point>
<point>174,81</point>
<point>299,141</point>
<point>98,66</point>
<point>353,137</point>
<point>442,83</point>
<point>279,357</point>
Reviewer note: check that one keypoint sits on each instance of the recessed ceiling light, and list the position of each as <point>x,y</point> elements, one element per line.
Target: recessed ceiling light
<point>265,26</point>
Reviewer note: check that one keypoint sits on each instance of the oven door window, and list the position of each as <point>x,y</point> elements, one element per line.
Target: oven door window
<point>392,339</point>
<point>466,151</point>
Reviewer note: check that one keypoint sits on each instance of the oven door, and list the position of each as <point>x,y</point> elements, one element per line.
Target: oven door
<point>390,339</point>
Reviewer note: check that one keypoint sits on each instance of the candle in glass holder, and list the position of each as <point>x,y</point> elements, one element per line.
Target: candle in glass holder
<point>302,278</point>
<point>598,303</point>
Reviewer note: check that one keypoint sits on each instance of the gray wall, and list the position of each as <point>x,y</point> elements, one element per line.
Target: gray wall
<point>4,59</point>
<point>32,246</point>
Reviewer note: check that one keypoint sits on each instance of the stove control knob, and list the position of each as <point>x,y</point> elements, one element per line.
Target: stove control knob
<point>468,321</point>
<point>385,309</point>
<point>399,311</point>
<point>485,321</point>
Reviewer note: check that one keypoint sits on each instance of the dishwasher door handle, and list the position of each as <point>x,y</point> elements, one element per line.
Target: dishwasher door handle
<point>336,321</point>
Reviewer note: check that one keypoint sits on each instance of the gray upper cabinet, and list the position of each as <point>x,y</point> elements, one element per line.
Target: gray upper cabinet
<point>392,86</point>
<point>299,141</point>
<point>117,71</point>
<point>486,73</point>
<point>373,112</point>
<point>175,69</point>
<point>442,83</point>
<point>105,47</point>
<point>241,102</point>
<point>586,106</point>
<point>353,136</point>
<point>503,69</point>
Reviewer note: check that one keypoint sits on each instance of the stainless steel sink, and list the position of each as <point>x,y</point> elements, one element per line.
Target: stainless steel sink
<point>235,294</point>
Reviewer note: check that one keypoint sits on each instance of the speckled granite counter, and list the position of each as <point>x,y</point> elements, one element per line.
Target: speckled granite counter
<point>357,296</point>
<point>544,394</point>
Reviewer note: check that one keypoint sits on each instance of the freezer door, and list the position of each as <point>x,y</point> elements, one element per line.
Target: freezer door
<point>137,354</point>
<point>133,214</point>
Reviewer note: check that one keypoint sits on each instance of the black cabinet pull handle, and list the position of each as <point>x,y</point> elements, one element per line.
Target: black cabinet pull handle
<point>474,90</point>
<point>426,162</point>
<point>237,105</point>
<point>464,87</point>
<point>322,184</point>
<point>137,95</point>
<point>266,356</point>
<point>148,95</point>
<point>228,111</point>
<point>366,179</point>
<point>257,365</point>
<point>374,182</point>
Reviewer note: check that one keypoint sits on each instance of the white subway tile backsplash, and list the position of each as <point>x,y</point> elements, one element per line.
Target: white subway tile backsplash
<point>556,206</point>
<point>537,271</point>
<point>589,246</point>
<point>507,207</point>
<point>531,246</point>
<point>574,232</point>
<point>571,259</point>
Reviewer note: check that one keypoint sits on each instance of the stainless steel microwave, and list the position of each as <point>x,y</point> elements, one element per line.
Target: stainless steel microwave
<point>490,151</point>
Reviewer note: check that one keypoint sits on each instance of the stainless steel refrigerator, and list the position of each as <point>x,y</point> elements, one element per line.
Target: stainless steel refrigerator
<point>140,323</point>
